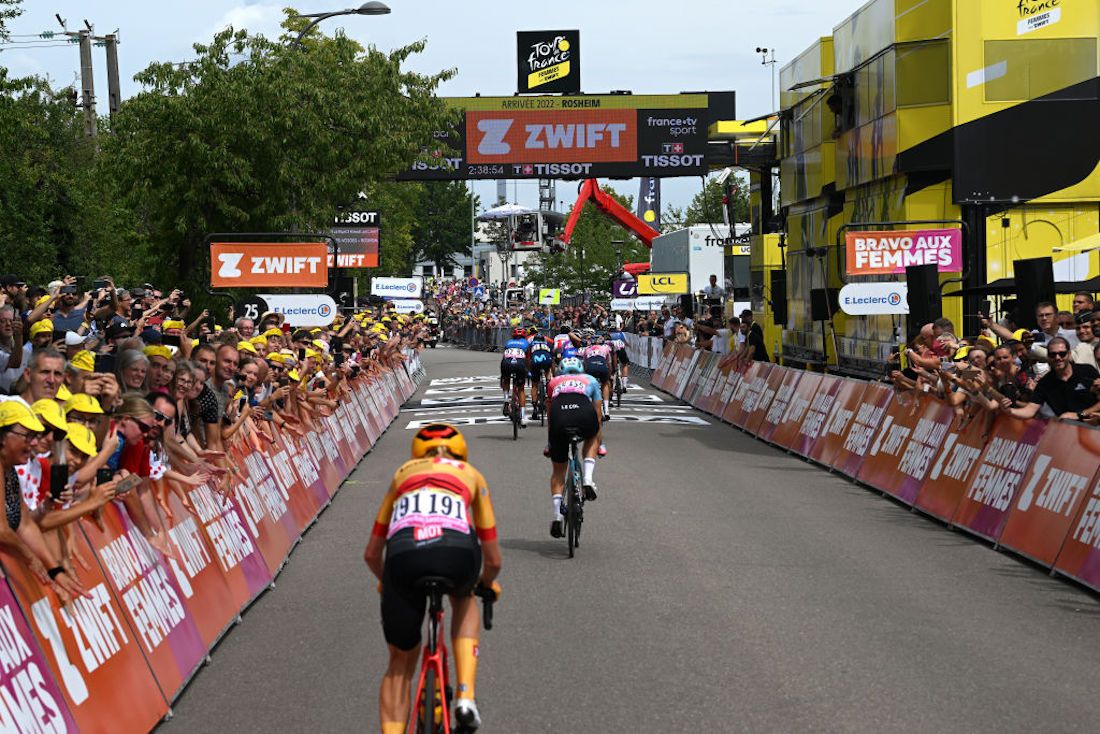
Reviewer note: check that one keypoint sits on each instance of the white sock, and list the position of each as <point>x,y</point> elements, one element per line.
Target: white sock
<point>605,406</point>
<point>557,507</point>
<point>523,414</point>
<point>589,468</point>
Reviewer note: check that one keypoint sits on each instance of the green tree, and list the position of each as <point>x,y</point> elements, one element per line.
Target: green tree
<point>258,135</point>
<point>593,255</point>
<point>706,206</point>
<point>442,227</point>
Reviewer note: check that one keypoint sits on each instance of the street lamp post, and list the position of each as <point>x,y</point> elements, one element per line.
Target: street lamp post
<point>370,8</point>
<point>766,61</point>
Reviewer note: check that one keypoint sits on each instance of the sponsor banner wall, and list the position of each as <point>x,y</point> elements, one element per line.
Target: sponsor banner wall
<point>804,413</point>
<point>912,432</point>
<point>1007,457</point>
<point>1080,554</point>
<point>112,662</point>
<point>32,700</point>
<point>862,416</point>
<point>151,600</point>
<point>955,465</point>
<point>768,391</point>
<point>706,372</point>
<point>777,411</point>
<point>93,653</point>
<point>1054,489</point>
<point>687,373</point>
<point>746,394</point>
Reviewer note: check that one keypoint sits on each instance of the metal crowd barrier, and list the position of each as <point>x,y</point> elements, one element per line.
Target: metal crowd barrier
<point>482,339</point>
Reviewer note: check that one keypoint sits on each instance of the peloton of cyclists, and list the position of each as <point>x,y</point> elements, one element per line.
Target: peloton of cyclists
<point>540,360</point>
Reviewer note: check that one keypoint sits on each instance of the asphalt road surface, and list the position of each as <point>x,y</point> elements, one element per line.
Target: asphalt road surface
<point>720,586</point>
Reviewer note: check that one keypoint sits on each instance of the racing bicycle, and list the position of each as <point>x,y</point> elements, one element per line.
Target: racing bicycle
<point>618,387</point>
<point>540,402</point>
<point>514,405</point>
<point>572,506</point>
<point>432,702</point>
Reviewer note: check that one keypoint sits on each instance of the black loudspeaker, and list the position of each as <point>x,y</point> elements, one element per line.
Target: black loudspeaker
<point>343,288</point>
<point>778,290</point>
<point>1034,284</point>
<point>823,303</point>
<point>925,299</point>
<point>687,302</point>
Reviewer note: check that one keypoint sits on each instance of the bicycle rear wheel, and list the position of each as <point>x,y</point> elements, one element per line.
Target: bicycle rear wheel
<point>515,411</point>
<point>542,400</point>
<point>618,390</point>
<point>573,504</point>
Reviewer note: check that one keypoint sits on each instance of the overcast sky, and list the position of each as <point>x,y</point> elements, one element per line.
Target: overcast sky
<point>644,45</point>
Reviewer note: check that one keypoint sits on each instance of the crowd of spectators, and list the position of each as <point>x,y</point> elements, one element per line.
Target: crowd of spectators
<point>111,393</point>
<point>1050,371</point>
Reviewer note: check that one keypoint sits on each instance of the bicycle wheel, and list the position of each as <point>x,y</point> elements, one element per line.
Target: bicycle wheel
<point>542,401</point>
<point>572,499</point>
<point>515,411</point>
<point>618,390</point>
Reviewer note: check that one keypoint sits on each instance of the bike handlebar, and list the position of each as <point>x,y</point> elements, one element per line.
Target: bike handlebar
<point>488,596</point>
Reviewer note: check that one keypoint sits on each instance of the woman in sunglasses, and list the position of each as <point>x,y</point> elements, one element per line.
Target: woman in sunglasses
<point>19,534</point>
<point>134,421</point>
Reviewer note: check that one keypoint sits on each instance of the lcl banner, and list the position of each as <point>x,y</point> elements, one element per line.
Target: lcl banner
<point>889,253</point>
<point>268,265</point>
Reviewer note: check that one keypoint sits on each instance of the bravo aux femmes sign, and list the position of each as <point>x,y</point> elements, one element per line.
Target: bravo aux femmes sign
<point>268,265</point>
<point>889,253</point>
<point>663,284</point>
<point>548,61</point>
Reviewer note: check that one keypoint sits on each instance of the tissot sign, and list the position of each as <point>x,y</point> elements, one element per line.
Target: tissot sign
<point>548,61</point>
<point>356,234</point>
<point>577,136</point>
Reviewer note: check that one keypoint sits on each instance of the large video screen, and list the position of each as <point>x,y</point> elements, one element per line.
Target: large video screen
<point>577,136</point>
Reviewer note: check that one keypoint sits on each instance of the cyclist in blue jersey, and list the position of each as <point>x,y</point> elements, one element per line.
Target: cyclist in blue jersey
<point>513,365</point>
<point>540,357</point>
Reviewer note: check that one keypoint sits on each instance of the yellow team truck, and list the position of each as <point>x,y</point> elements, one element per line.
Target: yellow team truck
<point>978,114</point>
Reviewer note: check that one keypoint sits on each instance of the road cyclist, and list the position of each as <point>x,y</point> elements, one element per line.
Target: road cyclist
<point>513,372</point>
<point>573,406</point>
<point>435,522</point>
<point>540,358</point>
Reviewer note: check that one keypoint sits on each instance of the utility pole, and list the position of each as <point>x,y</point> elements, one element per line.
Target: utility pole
<point>114,93</point>
<point>87,83</point>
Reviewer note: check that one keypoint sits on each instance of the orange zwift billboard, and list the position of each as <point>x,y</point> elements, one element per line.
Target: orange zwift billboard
<point>552,136</point>
<point>268,265</point>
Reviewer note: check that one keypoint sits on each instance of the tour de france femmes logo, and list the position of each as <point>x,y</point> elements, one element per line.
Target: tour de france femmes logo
<point>548,61</point>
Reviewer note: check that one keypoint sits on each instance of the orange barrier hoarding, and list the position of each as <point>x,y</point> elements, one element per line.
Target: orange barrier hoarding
<point>1053,491</point>
<point>905,447</point>
<point>746,395</point>
<point>954,467</point>
<point>777,411</point>
<point>1007,457</point>
<point>801,413</point>
<point>860,416</point>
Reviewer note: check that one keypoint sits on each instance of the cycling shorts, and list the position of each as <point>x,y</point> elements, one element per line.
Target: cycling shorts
<point>509,368</point>
<point>570,412</point>
<point>598,369</point>
<point>541,361</point>
<point>453,556</point>
<point>623,359</point>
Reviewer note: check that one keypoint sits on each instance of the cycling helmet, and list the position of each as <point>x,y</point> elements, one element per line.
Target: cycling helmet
<point>439,434</point>
<point>572,366</point>
<point>532,331</point>
<point>519,332</point>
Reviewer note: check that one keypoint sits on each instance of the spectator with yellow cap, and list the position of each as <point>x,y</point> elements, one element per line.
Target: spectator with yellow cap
<point>84,409</point>
<point>20,535</point>
<point>160,369</point>
<point>82,495</point>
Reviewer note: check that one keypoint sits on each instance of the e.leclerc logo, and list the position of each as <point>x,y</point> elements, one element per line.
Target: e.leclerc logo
<point>411,287</point>
<point>324,310</point>
<point>894,298</point>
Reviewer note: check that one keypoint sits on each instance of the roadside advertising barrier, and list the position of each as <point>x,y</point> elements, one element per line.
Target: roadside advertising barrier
<point>117,659</point>
<point>489,339</point>
<point>1031,487</point>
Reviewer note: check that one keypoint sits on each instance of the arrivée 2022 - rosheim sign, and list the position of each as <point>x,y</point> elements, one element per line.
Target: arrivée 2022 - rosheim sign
<point>577,136</point>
